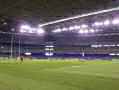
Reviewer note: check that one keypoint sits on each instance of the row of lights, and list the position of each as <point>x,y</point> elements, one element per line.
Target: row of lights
<point>29,29</point>
<point>107,22</point>
<point>84,28</point>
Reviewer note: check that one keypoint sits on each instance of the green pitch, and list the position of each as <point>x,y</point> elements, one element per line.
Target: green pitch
<point>59,75</point>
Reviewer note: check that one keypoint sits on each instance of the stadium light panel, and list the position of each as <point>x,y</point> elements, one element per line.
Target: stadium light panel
<point>115,21</point>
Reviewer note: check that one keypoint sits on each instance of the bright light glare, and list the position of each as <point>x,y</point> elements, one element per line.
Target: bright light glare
<point>117,45</point>
<point>98,24</point>
<point>112,54</point>
<point>92,30</point>
<point>71,28</point>
<point>115,21</point>
<point>40,31</point>
<point>29,29</point>
<point>96,46</point>
<point>57,31</point>
<point>81,31</point>
<point>49,54</point>
<point>77,27</point>
<point>84,26</point>
<point>49,46</point>
<point>86,31</point>
<point>25,28</point>
<point>106,22</point>
<point>64,29</point>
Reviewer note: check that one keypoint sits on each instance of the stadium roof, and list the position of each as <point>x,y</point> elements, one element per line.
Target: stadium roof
<point>48,10</point>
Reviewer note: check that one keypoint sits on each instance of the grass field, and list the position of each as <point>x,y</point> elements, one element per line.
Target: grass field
<point>59,75</point>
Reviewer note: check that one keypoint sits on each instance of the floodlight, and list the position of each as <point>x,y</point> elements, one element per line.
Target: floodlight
<point>13,29</point>
<point>40,30</point>
<point>106,22</point>
<point>24,28</point>
<point>64,29</point>
<point>115,21</point>
<point>77,27</point>
<point>71,28</point>
<point>33,30</point>
<point>2,47</point>
<point>81,31</point>
<point>84,26</point>
<point>57,30</point>
<point>117,45</point>
<point>5,23</point>
<point>86,31</point>
<point>91,30</point>
<point>98,24</point>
